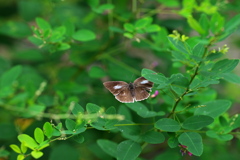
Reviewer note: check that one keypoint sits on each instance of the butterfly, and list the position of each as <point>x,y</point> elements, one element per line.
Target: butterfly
<point>130,92</point>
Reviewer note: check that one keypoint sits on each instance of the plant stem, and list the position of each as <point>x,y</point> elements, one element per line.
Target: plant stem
<point>192,78</point>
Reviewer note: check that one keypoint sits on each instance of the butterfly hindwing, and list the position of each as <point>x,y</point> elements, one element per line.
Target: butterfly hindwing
<point>144,83</point>
<point>141,94</point>
<point>125,96</point>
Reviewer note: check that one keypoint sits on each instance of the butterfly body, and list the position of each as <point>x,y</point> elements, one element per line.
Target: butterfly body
<point>130,92</point>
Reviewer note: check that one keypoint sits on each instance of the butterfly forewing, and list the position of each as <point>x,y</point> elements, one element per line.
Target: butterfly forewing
<point>115,87</point>
<point>143,82</point>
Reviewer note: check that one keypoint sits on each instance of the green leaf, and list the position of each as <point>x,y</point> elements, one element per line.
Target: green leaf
<point>199,49</point>
<point>181,46</point>
<point>219,136</point>
<point>177,90</point>
<point>96,72</point>
<point>43,145</point>
<point>20,157</point>
<point>44,25</point>
<point>37,154</point>
<point>28,141</point>
<point>154,77</point>
<point>77,109</point>
<point>38,135</point>
<point>225,65</point>
<point>15,148</point>
<point>197,122</point>
<point>147,71</point>
<point>79,128</point>
<point>141,109</point>
<point>128,150</point>
<point>188,6</point>
<point>108,147</point>
<point>232,24</point>
<point>70,124</point>
<point>58,34</point>
<point>84,35</point>
<point>231,77</point>
<point>23,148</point>
<point>142,23</point>
<point>179,80</point>
<point>92,108</point>
<point>195,25</point>
<point>153,137</point>
<point>167,124</point>
<point>78,138</point>
<point>235,121</point>
<point>47,129</point>
<point>10,76</point>
<point>204,22</point>
<point>36,40</point>
<point>217,23</point>
<point>128,27</point>
<point>153,28</point>
<point>213,108</point>
<point>193,141</point>
<point>173,142</point>
<point>116,29</point>
<point>63,46</point>
<point>128,35</point>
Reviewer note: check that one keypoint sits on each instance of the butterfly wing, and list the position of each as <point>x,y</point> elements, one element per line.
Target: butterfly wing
<point>142,88</point>
<point>125,96</point>
<point>120,90</point>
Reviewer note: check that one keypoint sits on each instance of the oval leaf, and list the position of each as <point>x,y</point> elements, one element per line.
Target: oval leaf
<point>167,124</point>
<point>193,141</point>
<point>70,124</point>
<point>48,130</point>
<point>219,136</point>
<point>197,122</point>
<point>37,154</point>
<point>15,148</point>
<point>38,135</point>
<point>173,142</point>
<point>92,108</point>
<point>128,150</point>
<point>28,141</point>
<point>213,108</point>
<point>153,137</point>
<point>84,35</point>
<point>77,109</point>
<point>108,147</point>
<point>78,138</point>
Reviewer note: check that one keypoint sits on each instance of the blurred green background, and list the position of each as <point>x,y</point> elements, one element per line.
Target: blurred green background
<point>62,74</point>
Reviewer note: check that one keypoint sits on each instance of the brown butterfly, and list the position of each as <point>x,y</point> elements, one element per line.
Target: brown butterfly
<point>128,93</point>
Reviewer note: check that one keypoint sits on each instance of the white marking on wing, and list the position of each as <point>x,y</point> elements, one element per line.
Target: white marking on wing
<point>144,82</point>
<point>117,87</point>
